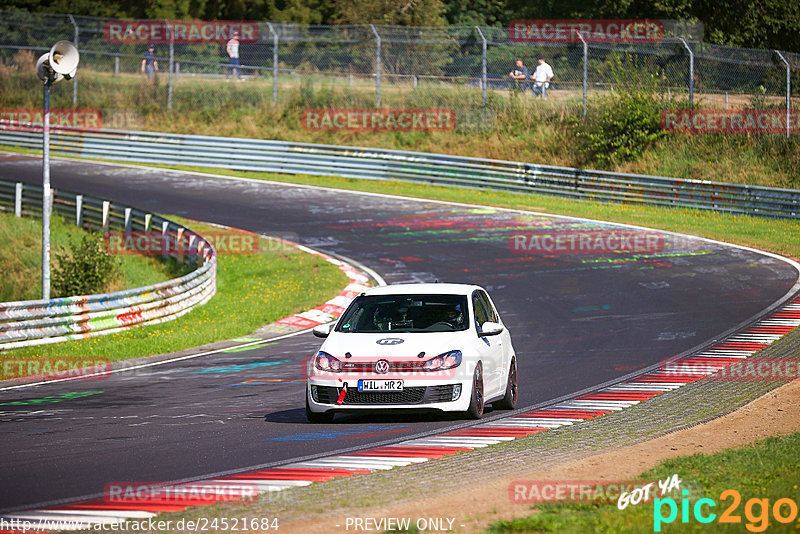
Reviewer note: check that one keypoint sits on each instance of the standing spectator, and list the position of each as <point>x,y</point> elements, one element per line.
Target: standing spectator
<point>519,73</point>
<point>150,63</point>
<point>233,56</point>
<point>541,78</point>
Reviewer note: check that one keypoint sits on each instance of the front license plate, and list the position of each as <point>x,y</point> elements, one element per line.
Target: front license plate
<point>380,385</point>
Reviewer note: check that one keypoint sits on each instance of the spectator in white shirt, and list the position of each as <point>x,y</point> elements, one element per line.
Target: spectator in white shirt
<point>232,48</point>
<point>541,78</point>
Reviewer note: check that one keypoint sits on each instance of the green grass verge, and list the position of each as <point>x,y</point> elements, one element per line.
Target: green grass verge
<point>21,258</point>
<point>510,127</point>
<point>765,470</point>
<point>252,290</point>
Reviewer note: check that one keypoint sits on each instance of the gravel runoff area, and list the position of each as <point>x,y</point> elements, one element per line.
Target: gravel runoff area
<point>465,477</point>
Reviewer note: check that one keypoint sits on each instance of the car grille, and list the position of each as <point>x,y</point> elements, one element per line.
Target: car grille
<point>369,367</point>
<point>412,395</point>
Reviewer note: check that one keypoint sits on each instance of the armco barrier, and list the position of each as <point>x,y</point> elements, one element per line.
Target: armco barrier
<point>379,164</point>
<point>38,322</point>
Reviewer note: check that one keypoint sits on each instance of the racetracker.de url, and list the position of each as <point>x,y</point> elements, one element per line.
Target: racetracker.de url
<point>202,524</point>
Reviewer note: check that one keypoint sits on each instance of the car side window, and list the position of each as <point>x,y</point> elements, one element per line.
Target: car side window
<point>490,311</point>
<point>481,316</point>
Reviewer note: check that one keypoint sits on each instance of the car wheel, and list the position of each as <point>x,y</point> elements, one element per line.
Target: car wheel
<point>509,400</point>
<point>475,410</point>
<point>314,417</point>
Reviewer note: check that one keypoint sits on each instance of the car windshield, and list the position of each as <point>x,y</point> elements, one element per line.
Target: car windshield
<point>405,313</point>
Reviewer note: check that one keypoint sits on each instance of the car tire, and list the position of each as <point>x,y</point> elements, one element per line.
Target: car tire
<point>318,417</point>
<point>475,410</point>
<point>509,400</point>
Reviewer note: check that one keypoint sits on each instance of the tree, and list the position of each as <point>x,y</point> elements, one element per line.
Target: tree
<point>390,12</point>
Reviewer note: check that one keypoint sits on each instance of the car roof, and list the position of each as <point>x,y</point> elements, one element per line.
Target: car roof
<point>424,289</point>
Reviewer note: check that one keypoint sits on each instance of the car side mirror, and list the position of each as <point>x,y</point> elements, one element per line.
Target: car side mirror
<point>490,328</point>
<point>322,330</point>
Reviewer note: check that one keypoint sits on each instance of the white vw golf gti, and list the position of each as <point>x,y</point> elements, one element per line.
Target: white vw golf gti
<point>414,346</point>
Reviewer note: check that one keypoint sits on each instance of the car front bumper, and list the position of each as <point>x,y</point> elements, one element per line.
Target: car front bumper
<point>323,396</point>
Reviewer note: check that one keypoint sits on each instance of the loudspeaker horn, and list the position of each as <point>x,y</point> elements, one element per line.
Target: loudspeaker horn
<point>64,58</point>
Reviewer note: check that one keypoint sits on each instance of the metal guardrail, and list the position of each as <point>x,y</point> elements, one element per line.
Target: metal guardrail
<point>383,164</point>
<point>38,322</point>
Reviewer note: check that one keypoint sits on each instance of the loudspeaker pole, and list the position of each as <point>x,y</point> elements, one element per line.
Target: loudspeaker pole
<point>46,202</point>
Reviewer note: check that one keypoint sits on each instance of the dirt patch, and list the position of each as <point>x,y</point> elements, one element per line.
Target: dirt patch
<point>475,508</point>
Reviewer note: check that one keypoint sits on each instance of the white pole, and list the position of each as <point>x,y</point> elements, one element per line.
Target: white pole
<point>46,195</point>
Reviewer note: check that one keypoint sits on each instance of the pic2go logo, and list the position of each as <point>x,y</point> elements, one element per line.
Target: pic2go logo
<point>756,511</point>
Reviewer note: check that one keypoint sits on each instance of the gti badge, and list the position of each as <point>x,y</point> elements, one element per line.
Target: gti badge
<point>390,341</point>
<point>382,367</point>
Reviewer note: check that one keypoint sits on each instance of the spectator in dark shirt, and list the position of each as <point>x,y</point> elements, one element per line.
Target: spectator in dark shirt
<point>519,76</point>
<point>150,63</point>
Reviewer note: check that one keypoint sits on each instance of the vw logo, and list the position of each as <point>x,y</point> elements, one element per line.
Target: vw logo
<point>390,341</point>
<point>382,367</point>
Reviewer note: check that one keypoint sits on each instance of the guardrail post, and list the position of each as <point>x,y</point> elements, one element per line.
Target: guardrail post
<point>484,81</point>
<point>585,72</point>
<point>106,209</point>
<point>171,63</point>
<point>377,67</point>
<point>177,70</point>
<point>147,218</point>
<point>78,210</point>
<point>274,62</point>
<point>116,66</point>
<point>164,236</point>
<point>788,90</point>
<point>18,199</point>
<point>127,219</point>
<point>74,78</point>
<point>691,71</point>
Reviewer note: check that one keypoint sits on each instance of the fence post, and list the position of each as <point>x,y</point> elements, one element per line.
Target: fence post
<point>484,82</point>
<point>691,71</point>
<point>274,62</point>
<point>171,63</point>
<point>116,66</point>
<point>788,90</point>
<point>18,199</point>
<point>377,67</point>
<point>585,72</point>
<point>75,78</point>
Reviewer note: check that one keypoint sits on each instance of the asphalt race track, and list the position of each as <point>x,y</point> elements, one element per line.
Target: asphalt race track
<point>577,320</point>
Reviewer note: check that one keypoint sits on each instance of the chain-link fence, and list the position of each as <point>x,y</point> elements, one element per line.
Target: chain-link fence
<point>465,69</point>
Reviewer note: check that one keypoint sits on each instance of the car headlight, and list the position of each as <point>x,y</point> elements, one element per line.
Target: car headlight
<point>448,360</point>
<point>325,362</point>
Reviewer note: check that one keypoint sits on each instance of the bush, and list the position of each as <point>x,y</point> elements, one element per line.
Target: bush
<point>84,268</point>
<point>619,127</point>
